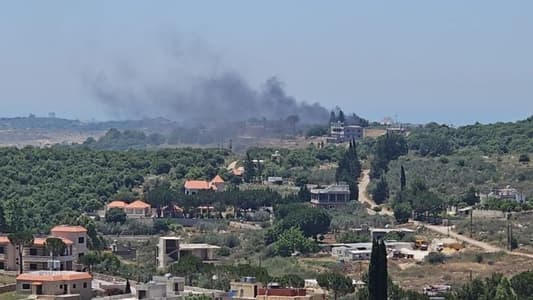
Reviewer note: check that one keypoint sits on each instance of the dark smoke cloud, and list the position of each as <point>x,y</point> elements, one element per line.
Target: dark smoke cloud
<point>180,90</point>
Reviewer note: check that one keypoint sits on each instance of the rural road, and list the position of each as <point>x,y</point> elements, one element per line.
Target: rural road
<point>364,198</point>
<point>445,230</point>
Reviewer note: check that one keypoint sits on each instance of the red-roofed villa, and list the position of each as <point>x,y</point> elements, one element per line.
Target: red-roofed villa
<point>194,186</point>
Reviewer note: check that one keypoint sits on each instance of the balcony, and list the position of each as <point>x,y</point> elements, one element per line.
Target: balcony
<point>46,258</point>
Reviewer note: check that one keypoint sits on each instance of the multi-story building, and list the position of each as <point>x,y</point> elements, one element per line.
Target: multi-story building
<point>340,132</point>
<point>38,257</point>
<point>331,196</point>
<point>169,250</point>
<point>55,284</point>
<point>249,289</point>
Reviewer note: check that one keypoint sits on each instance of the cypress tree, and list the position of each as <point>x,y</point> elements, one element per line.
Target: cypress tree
<point>332,117</point>
<point>349,169</point>
<point>341,116</point>
<point>383,272</point>
<point>249,169</point>
<point>377,272</point>
<point>402,179</point>
<point>381,191</point>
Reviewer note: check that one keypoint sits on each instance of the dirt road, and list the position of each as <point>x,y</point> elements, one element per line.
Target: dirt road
<point>364,198</point>
<point>445,230</point>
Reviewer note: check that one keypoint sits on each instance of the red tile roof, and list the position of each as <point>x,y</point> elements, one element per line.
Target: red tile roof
<point>196,185</point>
<point>68,228</point>
<point>138,204</point>
<point>217,179</point>
<point>54,276</point>
<point>116,204</point>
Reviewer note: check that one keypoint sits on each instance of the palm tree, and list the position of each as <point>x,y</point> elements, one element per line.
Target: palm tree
<point>56,247</point>
<point>20,240</point>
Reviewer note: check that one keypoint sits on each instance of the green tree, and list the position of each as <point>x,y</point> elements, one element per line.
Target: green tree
<point>349,169</point>
<point>291,281</point>
<point>187,266</point>
<point>20,240</point>
<point>249,169</point>
<point>522,284</point>
<point>470,197</point>
<point>115,215</point>
<point>312,221</point>
<point>377,272</point>
<point>381,192</point>
<point>89,260</point>
<point>161,196</point>
<point>292,240</point>
<point>304,194</point>
<point>337,283</point>
<point>402,212</point>
<point>524,158</point>
<point>388,147</point>
<point>504,291</point>
<point>55,246</point>
<point>403,180</point>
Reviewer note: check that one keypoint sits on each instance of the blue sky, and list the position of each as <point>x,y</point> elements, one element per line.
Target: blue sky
<point>454,62</point>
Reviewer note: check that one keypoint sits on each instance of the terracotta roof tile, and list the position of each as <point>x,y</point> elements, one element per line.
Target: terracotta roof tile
<point>138,204</point>
<point>40,276</point>
<point>217,179</point>
<point>116,204</point>
<point>67,228</point>
<point>196,185</point>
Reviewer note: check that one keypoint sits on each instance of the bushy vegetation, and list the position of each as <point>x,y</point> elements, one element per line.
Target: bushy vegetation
<point>499,138</point>
<point>43,187</point>
<point>296,164</point>
<point>453,180</point>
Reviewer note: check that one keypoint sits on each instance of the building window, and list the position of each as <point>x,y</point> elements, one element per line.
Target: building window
<point>33,267</point>
<point>85,285</point>
<point>33,251</point>
<point>2,266</point>
<point>74,286</point>
<point>81,240</point>
<point>80,255</point>
<point>1,250</point>
<point>60,286</point>
<point>26,286</point>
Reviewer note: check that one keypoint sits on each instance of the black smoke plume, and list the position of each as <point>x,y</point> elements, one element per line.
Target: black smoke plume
<point>188,96</point>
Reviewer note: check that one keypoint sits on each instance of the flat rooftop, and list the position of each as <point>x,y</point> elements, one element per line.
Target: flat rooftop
<point>197,246</point>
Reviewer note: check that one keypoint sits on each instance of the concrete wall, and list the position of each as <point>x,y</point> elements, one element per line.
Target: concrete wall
<point>7,288</point>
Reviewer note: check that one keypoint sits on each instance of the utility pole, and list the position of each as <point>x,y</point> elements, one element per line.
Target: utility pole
<point>471,217</point>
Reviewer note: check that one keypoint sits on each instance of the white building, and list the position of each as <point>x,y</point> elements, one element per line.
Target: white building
<point>169,250</point>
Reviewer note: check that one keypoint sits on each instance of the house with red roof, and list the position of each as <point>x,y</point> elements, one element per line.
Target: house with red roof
<point>216,184</point>
<point>55,285</point>
<point>37,256</point>
<point>135,210</point>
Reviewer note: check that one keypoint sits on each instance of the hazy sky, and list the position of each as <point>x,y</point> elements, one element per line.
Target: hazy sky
<point>450,61</point>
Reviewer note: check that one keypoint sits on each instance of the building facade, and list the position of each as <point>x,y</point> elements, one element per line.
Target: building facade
<point>169,250</point>
<point>136,210</point>
<point>56,284</point>
<point>340,133</point>
<point>192,187</point>
<point>331,196</point>
<point>38,257</point>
